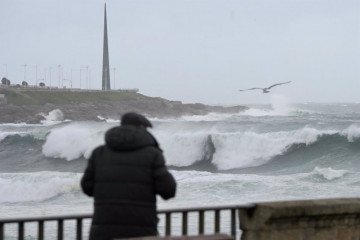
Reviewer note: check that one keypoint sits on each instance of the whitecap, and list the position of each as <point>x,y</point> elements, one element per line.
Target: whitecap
<point>329,173</point>
<point>351,133</point>
<point>53,117</point>
<point>74,140</point>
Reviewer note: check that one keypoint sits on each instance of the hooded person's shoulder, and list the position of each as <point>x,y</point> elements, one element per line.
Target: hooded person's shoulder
<point>98,150</point>
<point>128,138</point>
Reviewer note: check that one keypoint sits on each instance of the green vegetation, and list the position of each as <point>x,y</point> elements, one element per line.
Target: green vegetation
<point>58,97</point>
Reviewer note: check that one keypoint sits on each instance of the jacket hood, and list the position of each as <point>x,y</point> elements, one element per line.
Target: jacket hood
<point>128,138</point>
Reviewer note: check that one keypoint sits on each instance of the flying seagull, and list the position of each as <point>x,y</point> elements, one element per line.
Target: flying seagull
<point>266,90</point>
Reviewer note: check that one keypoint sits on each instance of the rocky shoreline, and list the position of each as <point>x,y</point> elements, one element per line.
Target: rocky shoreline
<point>154,107</point>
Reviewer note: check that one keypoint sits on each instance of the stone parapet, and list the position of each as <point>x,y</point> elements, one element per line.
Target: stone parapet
<point>200,237</point>
<point>330,219</point>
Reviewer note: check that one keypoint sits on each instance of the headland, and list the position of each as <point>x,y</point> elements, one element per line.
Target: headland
<point>30,104</point>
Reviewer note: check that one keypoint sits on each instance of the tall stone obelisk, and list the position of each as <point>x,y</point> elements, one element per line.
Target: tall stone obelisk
<point>106,66</point>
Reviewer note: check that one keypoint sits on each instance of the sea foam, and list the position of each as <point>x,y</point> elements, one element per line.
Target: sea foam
<point>185,144</point>
<point>53,117</point>
<point>233,149</point>
<point>352,133</point>
<point>38,186</point>
<point>74,140</point>
<point>329,173</point>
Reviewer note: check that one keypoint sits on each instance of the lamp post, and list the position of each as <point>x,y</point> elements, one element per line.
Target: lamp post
<point>114,76</point>
<point>66,79</point>
<point>59,74</point>
<point>24,71</point>
<point>80,76</point>
<point>50,68</point>
<point>45,76</point>
<point>71,77</point>
<point>36,76</point>
<point>87,76</point>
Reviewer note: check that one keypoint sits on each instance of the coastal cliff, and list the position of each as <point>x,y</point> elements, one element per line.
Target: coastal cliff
<point>29,106</point>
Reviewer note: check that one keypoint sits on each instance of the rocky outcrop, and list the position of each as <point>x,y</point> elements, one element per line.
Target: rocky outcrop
<point>152,107</point>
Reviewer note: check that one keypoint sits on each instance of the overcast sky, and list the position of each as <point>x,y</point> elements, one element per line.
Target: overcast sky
<point>190,50</point>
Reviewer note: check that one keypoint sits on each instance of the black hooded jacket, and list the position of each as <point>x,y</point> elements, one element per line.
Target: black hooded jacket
<point>124,177</point>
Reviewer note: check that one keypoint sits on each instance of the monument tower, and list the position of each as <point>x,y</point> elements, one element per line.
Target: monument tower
<point>106,66</point>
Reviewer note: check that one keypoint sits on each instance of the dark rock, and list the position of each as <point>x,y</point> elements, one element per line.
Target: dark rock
<point>155,107</point>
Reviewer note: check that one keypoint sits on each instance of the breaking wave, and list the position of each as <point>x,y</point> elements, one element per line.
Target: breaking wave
<point>53,117</point>
<point>73,141</point>
<point>39,186</point>
<point>246,149</point>
<point>188,145</point>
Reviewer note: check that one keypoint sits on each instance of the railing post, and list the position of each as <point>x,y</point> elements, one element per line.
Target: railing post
<point>60,229</point>
<point>1,231</point>
<point>233,222</point>
<point>168,224</point>
<point>184,223</point>
<point>41,230</point>
<point>201,222</point>
<point>217,221</point>
<point>21,231</point>
<point>79,229</point>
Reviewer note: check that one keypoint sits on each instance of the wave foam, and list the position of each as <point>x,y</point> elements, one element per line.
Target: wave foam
<point>182,149</point>
<point>53,117</point>
<point>329,173</point>
<point>250,149</point>
<point>108,120</point>
<point>186,144</point>
<point>351,133</point>
<point>73,141</point>
<point>280,106</point>
<point>39,186</point>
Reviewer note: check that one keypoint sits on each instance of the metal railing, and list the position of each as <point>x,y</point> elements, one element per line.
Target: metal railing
<point>168,213</point>
<point>41,220</point>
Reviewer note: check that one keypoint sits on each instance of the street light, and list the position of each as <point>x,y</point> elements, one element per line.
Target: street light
<point>59,73</point>
<point>36,74</point>
<point>72,75</point>
<point>69,81</point>
<point>24,71</point>
<point>80,77</point>
<point>50,68</point>
<point>87,77</point>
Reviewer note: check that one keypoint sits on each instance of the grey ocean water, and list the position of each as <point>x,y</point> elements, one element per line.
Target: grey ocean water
<point>270,152</point>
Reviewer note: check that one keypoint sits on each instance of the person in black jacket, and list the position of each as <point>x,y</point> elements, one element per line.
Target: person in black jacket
<point>124,176</point>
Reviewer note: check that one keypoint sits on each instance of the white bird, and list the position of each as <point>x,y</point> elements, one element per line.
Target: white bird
<point>266,90</point>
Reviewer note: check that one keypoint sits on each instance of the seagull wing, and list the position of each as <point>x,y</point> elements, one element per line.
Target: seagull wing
<point>250,89</point>
<point>278,84</point>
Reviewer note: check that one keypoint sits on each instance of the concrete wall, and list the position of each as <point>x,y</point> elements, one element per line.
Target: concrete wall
<point>330,219</point>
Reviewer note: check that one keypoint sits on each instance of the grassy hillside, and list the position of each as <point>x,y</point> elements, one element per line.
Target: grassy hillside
<point>40,97</point>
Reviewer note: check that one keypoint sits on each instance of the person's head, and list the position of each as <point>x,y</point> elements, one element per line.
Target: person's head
<point>135,119</point>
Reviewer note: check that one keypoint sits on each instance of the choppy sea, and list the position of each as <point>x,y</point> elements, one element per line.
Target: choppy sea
<point>279,151</point>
